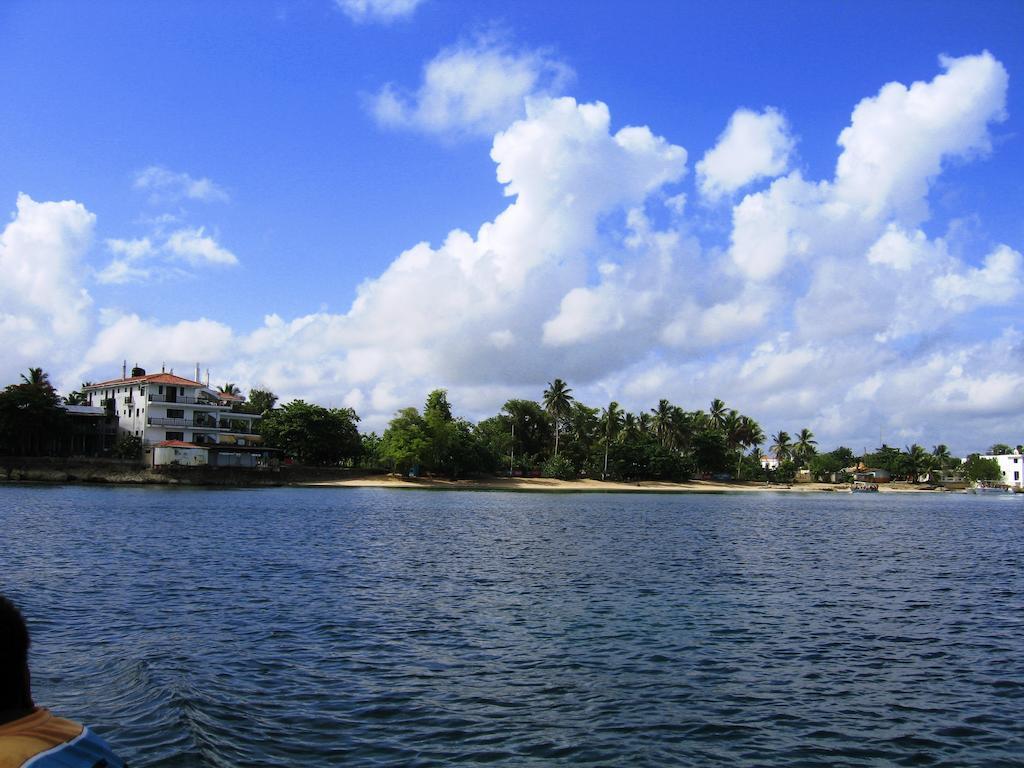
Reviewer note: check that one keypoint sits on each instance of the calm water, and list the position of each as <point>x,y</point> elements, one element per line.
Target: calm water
<point>331,627</point>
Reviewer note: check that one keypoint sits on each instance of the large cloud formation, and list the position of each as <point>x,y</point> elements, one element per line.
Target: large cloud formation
<point>828,306</point>
<point>43,305</point>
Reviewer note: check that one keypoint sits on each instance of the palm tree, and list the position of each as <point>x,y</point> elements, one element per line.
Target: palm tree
<point>37,378</point>
<point>942,455</point>
<point>753,435</point>
<point>630,428</point>
<point>915,461</point>
<point>230,389</point>
<point>805,445</point>
<point>557,402</point>
<point>684,424</point>
<point>781,446</point>
<point>612,418</point>
<point>75,398</point>
<point>717,413</point>
<point>732,426</point>
<point>662,421</point>
<point>643,422</point>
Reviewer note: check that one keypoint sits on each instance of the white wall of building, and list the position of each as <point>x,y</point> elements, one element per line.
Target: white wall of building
<point>1012,467</point>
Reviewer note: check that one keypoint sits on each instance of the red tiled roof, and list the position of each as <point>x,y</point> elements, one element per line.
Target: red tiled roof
<point>229,396</point>
<point>150,378</point>
<point>177,444</point>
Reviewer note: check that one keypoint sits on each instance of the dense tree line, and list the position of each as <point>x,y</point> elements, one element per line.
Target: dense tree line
<point>558,436</point>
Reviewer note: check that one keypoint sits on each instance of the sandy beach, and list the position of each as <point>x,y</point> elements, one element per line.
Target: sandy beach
<point>549,485</point>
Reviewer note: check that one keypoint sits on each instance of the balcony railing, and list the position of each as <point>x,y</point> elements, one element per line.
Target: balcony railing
<point>156,397</point>
<point>224,426</point>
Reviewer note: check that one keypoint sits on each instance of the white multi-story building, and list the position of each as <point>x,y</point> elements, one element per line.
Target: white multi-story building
<point>1012,467</point>
<point>163,408</point>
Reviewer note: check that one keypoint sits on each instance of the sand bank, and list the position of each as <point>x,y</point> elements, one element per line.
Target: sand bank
<point>543,484</point>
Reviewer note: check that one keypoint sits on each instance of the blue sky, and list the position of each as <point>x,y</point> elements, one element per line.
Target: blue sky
<point>189,169</point>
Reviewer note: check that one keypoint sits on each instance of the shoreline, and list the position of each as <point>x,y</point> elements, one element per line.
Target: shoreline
<point>551,485</point>
<point>95,474</point>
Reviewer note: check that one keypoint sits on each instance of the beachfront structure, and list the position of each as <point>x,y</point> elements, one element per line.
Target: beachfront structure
<point>769,462</point>
<point>1012,467</point>
<point>163,408</point>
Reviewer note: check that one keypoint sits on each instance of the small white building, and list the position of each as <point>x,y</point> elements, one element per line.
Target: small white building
<point>769,462</point>
<point>178,453</point>
<point>1012,467</point>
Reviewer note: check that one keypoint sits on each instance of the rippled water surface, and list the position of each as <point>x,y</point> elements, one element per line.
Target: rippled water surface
<point>374,627</point>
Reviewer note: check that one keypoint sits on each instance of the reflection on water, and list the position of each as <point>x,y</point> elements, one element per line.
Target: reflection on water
<point>371,627</point>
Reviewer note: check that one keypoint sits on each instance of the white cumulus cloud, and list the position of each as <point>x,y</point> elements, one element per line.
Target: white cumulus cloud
<point>473,88</point>
<point>754,145</point>
<point>43,305</point>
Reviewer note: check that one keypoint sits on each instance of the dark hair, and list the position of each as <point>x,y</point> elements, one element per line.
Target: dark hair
<point>14,678</point>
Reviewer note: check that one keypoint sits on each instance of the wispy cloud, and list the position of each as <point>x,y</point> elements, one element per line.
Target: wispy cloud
<point>381,11</point>
<point>197,248</point>
<point>142,259</point>
<point>165,186</point>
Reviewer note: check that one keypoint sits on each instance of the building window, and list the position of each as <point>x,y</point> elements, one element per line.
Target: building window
<point>176,436</point>
<point>160,389</point>
<point>1016,475</point>
<point>181,391</point>
<point>175,413</point>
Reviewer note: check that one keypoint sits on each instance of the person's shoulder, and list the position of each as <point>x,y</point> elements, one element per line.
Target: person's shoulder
<point>41,740</point>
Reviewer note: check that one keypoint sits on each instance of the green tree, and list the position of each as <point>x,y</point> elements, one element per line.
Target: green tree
<point>662,418</point>
<point>978,469</point>
<point>261,400</point>
<point>999,449</point>
<point>128,447</point>
<point>942,456</point>
<point>611,420</point>
<point>36,377</point>
<point>530,429</point>
<point>31,418</point>
<point>718,414</point>
<point>710,452</point>
<point>369,452</point>
<point>805,446</point>
<point>451,449</point>
<point>916,461</point>
<point>405,444</point>
<point>313,434</point>
<point>887,458</point>
<point>782,446</point>
<point>558,401</point>
<point>824,465</point>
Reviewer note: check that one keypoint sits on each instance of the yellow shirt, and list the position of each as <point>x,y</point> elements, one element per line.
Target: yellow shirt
<point>41,739</point>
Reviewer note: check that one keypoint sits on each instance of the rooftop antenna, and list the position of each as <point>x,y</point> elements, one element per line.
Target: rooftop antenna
<point>207,377</point>
<point>124,369</point>
<point>162,370</point>
<point>197,371</point>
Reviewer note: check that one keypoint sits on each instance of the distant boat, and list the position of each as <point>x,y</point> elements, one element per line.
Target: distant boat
<point>862,487</point>
<point>985,488</point>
